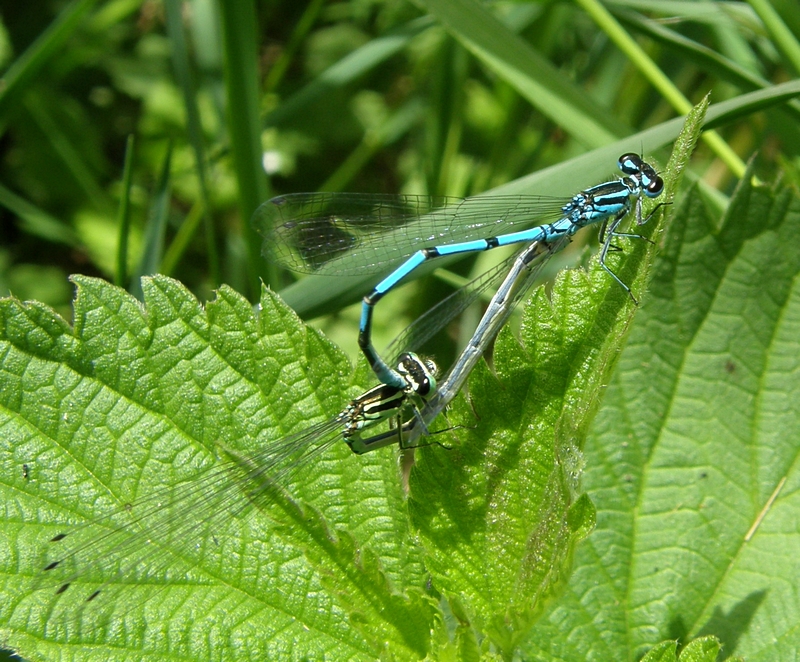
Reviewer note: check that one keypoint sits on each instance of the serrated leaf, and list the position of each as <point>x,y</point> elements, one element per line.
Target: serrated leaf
<point>666,651</point>
<point>704,649</point>
<point>127,435</point>
<point>692,461</point>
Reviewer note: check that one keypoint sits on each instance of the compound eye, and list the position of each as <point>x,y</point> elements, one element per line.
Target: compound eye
<point>630,163</point>
<point>654,187</point>
<point>432,367</point>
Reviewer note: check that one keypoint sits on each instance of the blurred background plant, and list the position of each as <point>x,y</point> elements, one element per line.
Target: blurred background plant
<point>230,103</point>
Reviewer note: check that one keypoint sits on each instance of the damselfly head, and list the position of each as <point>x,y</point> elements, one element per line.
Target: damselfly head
<point>419,374</point>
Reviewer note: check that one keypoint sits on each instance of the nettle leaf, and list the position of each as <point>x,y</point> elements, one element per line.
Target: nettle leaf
<point>704,649</point>
<point>692,462</point>
<point>123,447</point>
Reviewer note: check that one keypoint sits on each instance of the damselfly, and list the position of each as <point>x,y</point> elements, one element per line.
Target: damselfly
<point>350,233</point>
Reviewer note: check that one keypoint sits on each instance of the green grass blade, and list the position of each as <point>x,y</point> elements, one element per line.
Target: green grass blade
<point>535,78</point>
<point>67,151</point>
<point>752,102</point>
<point>781,35</point>
<point>714,14</point>
<point>314,296</point>
<point>36,221</point>
<point>155,231</point>
<point>183,74</point>
<point>391,130</point>
<point>348,69</point>
<point>299,33</point>
<point>244,129</point>
<point>29,65</point>
<point>654,74</point>
<point>182,239</point>
<point>707,58</point>
<point>124,216</point>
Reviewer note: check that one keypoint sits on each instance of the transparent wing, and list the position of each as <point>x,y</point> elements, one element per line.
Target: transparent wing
<point>356,233</point>
<point>427,325</point>
<point>175,536</point>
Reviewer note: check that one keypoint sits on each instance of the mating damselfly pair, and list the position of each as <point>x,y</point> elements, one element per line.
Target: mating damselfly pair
<point>370,235</point>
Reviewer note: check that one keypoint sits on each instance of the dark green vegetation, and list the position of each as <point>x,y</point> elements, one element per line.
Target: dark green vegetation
<point>678,450</point>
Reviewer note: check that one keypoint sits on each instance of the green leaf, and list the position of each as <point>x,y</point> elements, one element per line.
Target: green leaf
<point>705,649</point>
<point>666,651</point>
<point>692,462</point>
<point>146,405</point>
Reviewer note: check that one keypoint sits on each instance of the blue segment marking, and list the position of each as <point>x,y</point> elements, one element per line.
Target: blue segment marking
<point>607,203</point>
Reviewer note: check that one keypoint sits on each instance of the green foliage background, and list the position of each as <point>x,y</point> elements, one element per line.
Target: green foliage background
<point>696,439</point>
